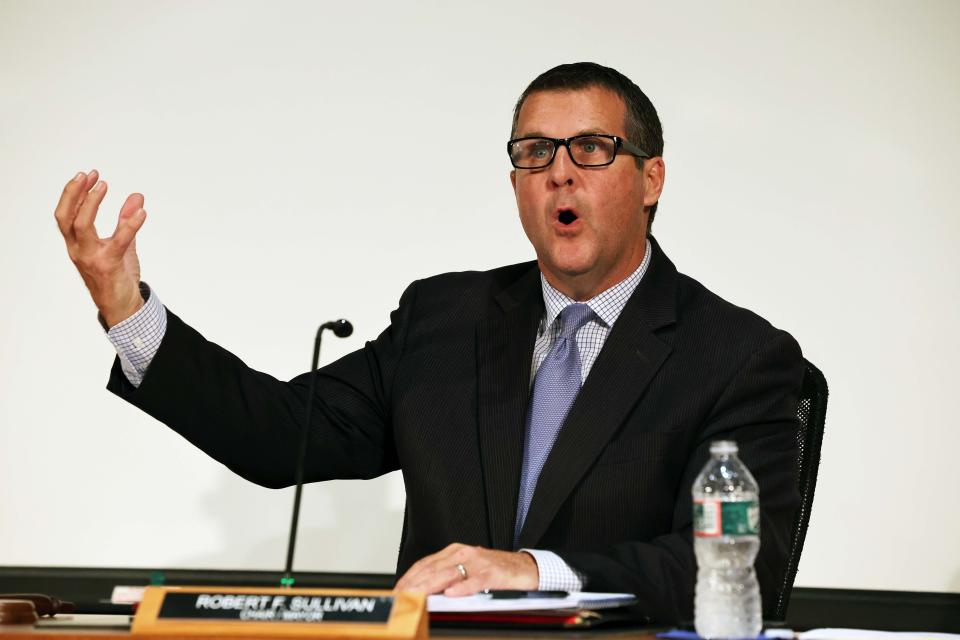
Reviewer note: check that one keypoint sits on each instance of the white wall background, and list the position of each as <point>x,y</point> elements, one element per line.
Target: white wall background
<point>289,157</point>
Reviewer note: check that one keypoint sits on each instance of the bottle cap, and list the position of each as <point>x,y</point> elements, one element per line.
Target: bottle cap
<point>723,447</point>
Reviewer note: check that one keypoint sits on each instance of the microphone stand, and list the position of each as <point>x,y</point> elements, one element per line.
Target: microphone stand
<point>341,329</point>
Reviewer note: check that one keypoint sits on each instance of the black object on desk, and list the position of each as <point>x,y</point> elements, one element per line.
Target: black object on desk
<point>513,594</point>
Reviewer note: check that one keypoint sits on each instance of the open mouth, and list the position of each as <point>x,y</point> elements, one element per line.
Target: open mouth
<point>566,217</point>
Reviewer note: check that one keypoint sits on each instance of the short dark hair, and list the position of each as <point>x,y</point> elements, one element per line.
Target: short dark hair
<point>642,126</point>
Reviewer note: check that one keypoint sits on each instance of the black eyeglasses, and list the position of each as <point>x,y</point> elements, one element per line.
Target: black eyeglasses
<point>588,150</point>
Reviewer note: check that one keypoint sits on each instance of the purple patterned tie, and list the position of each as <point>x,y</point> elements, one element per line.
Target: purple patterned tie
<point>555,387</point>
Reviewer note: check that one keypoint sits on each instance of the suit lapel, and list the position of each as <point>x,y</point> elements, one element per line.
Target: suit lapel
<point>630,358</point>
<point>505,340</point>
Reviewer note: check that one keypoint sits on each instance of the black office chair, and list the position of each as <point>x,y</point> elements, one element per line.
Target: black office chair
<point>811,414</point>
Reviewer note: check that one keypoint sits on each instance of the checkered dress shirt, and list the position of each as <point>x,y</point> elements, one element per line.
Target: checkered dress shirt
<point>555,574</point>
<point>137,340</point>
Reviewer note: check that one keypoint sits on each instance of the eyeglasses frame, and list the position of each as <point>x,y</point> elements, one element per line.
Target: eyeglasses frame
<point>618,142</point>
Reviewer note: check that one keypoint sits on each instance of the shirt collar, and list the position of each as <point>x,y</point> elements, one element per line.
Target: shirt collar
<point>607,304</point>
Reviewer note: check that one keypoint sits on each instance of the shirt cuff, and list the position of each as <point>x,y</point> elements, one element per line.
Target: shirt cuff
<point>137,339</point>
<point>555,574</point>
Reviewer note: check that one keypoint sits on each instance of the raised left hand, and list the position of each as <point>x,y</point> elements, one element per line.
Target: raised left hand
<point>485,569</point>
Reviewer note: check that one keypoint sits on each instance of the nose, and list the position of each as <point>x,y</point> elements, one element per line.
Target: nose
<point>562,169</point>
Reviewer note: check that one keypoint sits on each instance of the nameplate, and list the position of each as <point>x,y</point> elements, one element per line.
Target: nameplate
<point>277,612</point>
<point>225,605</point>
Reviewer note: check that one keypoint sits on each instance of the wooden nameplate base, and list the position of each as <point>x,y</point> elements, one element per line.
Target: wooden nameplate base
<point>280,612</point>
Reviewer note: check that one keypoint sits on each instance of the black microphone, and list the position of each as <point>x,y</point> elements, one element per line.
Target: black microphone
<point>341,328</point>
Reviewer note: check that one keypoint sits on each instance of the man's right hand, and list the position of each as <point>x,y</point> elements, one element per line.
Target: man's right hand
<point>109,266</point>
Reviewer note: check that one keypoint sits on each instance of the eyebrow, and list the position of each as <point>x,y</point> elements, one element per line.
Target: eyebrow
<point>582,132</point>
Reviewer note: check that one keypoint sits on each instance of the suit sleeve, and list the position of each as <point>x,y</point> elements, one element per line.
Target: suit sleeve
<point>252,422</point>
<point>757,409</point>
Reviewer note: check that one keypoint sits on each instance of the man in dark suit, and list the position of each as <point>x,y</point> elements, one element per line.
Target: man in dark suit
<point>549,418</point>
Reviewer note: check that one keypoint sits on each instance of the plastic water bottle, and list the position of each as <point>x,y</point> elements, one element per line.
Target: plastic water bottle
<point>726,528</point>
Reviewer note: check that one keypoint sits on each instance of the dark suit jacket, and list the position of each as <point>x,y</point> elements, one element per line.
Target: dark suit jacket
<point>442,395</point>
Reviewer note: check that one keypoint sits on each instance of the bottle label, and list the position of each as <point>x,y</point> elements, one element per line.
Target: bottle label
<point>713,518</point>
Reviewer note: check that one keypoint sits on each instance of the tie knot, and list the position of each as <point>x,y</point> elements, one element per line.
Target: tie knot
<point>573,317</point>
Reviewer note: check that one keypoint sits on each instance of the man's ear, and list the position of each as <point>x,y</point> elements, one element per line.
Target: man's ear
<point>513,179</point>
<point>654,172</point>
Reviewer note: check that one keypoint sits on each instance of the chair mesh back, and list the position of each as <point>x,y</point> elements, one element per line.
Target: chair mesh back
<point>811,415</point>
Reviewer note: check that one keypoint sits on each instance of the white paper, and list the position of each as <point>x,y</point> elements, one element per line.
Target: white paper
<point>123,594</point>
<point>482,603</point>
<point>861,634</point>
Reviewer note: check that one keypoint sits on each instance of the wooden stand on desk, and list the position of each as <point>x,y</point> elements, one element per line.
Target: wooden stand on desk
<point>280,613</point>
<point>202,613</point>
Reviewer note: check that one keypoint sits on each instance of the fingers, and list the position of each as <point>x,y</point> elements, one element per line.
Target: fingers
<point>71,197</point>
<point>77,210</point>
<point>480,569</point>
<point>434,573</point>
<point>441,579</point>
<point>132,217</point>
<point>83,229</point>
<point>433,581</point>
<point>485,569</point>
<point>133,202</point>
<point>126,231</point>
<point>466,587</point>
<point>67,204</point>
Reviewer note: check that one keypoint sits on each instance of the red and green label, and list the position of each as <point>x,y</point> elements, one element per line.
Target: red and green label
<point>719,518</point>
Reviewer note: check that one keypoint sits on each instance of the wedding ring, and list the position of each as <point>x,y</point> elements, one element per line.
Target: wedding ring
<point>463,571</point>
